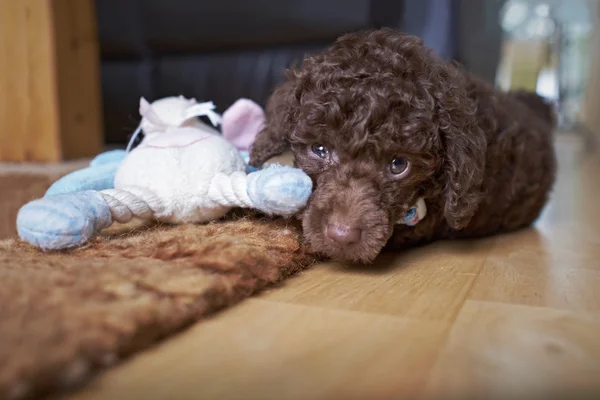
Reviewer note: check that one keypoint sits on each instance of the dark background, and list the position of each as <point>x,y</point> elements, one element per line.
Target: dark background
<point>222,50</point>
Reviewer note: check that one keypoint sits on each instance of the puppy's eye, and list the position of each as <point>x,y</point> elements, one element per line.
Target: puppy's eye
<point>399,165</point>
<point>320,150</point>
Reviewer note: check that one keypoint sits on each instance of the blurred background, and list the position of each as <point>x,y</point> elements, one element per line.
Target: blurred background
<point>228,49</point>
<point>73,71</point>
<point>224,50</point>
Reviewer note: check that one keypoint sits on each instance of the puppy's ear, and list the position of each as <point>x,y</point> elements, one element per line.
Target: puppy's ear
<point>272,140</point>
<point>465,153</point>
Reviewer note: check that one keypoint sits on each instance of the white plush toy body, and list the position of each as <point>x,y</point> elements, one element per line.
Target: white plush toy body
<point>179,170</point>
<point>183,171</point>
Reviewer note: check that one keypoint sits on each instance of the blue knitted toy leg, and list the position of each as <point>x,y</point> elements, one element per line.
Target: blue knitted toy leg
<point>63,221</point>
<point>108,157</point>
<point>99,175</point>
<point>280,190</point>
<point>92,178</point>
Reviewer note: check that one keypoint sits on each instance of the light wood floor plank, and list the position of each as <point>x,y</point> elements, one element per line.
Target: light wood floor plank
<point>504,351</point>
<point>428,283</point>
<point>268,350</point>
<point>525,269</point>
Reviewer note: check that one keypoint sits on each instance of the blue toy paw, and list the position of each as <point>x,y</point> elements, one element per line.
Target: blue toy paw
<point>108,157</point>
<point>246,157</point>
<point>99,175</point>
<point>97,178</point>
<point>280,190</point>
<point>63,221</point>
<point>250,169</point>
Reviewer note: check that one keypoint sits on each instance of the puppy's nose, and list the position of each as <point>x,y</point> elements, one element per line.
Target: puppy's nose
<point>343,234</point>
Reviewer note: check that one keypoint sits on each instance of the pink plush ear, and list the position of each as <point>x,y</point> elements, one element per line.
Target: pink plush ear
<point>241,123</point>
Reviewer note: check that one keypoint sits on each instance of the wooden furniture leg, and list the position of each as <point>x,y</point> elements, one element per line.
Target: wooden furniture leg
<point>50,99</point>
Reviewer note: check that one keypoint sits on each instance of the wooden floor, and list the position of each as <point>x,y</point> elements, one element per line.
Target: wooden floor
<point>516,316</point>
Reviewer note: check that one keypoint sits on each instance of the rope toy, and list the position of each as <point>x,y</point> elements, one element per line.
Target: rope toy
<point>183,171</point>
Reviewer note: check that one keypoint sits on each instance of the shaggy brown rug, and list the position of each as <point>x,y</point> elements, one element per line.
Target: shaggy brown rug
<point>64,316</point>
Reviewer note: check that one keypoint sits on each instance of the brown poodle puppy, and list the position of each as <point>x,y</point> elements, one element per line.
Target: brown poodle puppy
<point>378,121</point>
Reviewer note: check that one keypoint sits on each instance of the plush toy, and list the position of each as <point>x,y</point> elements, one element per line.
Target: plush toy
<point>183,171</point>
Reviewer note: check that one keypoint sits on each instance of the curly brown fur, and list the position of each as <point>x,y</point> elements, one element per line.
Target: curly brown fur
<point>482,159</point>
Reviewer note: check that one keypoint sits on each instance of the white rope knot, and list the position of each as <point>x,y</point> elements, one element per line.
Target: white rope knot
<point>230,190</point>
<point>125,205</point>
